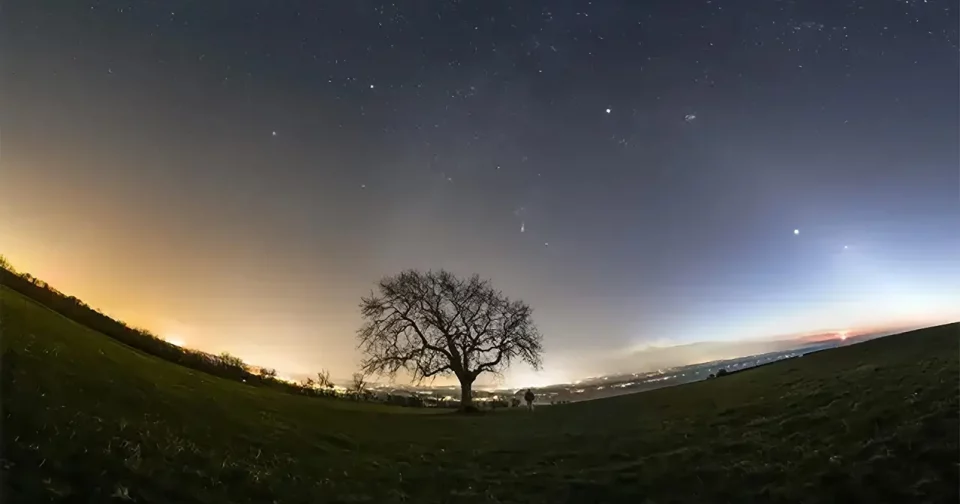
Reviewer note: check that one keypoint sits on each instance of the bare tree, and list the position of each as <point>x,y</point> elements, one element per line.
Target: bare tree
<point>323,379</point>
<point>225,359</point>
<point>359,382</point>
<point>434,324</point>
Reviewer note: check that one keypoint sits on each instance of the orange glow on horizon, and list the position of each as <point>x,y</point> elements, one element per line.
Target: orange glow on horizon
<point>173,339</point>
<point>137,295</point>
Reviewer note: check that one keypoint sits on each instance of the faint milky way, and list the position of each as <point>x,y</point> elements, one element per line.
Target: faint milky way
<point>240,174</point>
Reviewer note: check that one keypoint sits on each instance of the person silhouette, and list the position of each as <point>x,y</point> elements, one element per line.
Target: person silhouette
<point>529,397</point>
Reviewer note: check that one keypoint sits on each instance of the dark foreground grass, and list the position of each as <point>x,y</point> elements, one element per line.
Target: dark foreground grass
<point>86,419</point>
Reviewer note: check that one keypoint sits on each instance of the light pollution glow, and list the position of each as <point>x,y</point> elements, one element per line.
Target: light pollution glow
<point>140,285</point>
<point>243,200</point>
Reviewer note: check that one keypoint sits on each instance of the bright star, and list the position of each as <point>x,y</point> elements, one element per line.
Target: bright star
<point>273,133</point>
<point>608,111</point>
<point>796,231</point>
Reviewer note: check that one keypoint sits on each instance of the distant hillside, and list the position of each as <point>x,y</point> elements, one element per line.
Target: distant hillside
<point>653,358</point>
<point>224,365</point>
<point>88,419</point>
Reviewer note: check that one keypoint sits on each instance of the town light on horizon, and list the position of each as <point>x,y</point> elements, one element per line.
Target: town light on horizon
<point>174,339</point>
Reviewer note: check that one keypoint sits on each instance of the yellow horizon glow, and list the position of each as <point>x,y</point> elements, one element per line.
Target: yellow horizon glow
<point>173,339</point>
<point>54,267</point>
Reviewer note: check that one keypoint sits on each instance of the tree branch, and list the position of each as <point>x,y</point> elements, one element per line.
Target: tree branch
<point>433,324</point>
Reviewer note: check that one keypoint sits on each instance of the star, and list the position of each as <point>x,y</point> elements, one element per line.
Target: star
<point>608,111</point>
<point>796,231</point>
<point>273,133</point>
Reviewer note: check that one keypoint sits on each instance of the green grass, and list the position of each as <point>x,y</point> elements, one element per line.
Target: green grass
<point>85,418</point>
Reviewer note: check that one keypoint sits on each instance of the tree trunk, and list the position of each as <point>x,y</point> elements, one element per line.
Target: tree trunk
<point>466,395</point>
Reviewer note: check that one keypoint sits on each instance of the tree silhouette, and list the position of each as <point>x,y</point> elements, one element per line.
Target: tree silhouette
<point>232,361</point>
<point>323,379</point>
<point>359,382</point>
<point>434,324</point>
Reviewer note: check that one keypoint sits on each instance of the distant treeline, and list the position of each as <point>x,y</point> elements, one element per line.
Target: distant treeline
<point>223,365</point>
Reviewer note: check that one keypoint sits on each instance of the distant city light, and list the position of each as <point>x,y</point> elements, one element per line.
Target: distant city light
<point>174,340</point>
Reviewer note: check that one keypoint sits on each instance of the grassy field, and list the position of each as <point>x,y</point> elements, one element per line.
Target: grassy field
<point>86,419</point>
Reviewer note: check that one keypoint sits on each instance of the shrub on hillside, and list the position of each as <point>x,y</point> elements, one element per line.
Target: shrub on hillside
<point>323,379</point>
<point>230,361</point>
<point>140,339</point>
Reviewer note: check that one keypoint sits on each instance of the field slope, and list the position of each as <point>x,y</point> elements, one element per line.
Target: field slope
<point>86,419</point>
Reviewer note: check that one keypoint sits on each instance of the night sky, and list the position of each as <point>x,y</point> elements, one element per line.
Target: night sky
<point>236,174</point>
